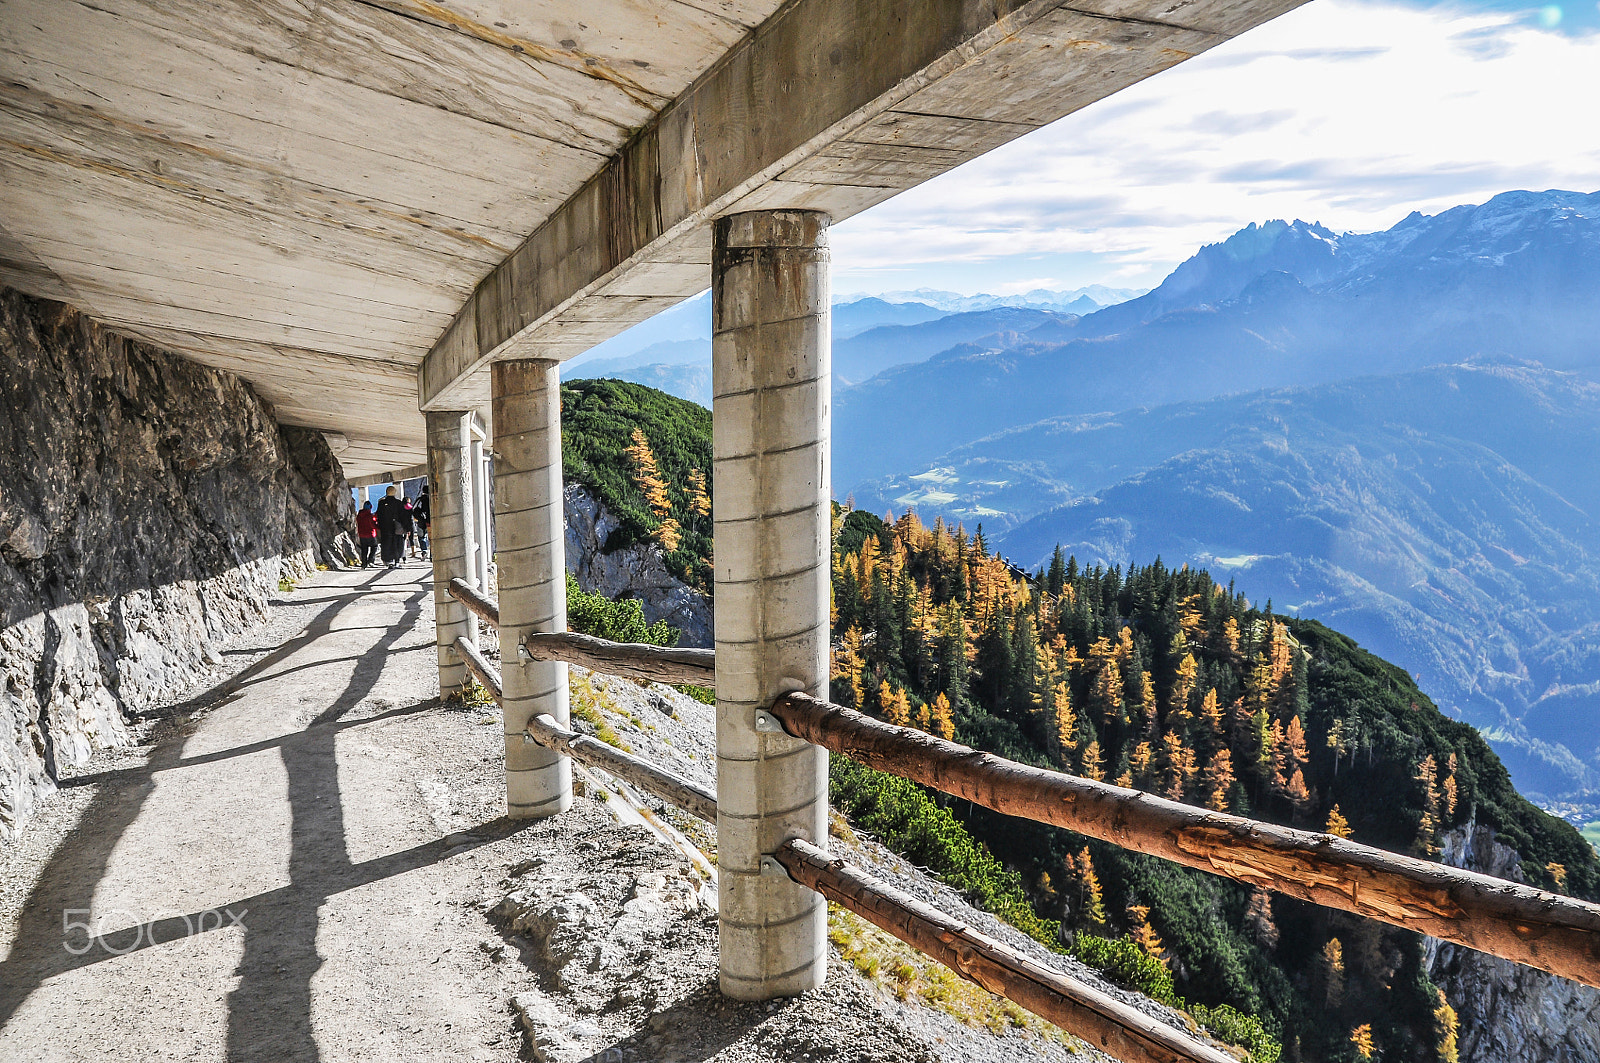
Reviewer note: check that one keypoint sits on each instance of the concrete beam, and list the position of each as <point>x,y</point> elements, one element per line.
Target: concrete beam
<point>832,105</point>
<point>391,476</point>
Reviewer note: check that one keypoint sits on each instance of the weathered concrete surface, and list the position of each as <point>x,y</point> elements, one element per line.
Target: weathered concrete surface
<point>148,508</point>
<point>305,194</point>
<point>831,105</point>
<point>532,576</point>
<point>317,196</point>
<point>635,571</point>
<point>1509,1013</point>
<point>772,533</point>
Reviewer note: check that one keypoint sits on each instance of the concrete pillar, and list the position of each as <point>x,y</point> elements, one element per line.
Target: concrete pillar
<point>451,499</point>
<point>771,393</point>
<point>532,570</point>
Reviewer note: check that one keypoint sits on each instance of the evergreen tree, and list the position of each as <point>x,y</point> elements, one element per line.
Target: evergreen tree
<point>1258,920</point>
<point>1144,935</point>
<point>1056,580</point>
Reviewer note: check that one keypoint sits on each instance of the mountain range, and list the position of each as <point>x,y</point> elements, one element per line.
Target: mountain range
<point>1394,432</point>
<point>672,351</point>
<point>1282,304</point>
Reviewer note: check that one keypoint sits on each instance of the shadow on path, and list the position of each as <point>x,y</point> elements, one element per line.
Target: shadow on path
<point>269,1012</point>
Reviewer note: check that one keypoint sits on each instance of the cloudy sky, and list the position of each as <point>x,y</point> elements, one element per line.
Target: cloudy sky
<point>1348,112</point>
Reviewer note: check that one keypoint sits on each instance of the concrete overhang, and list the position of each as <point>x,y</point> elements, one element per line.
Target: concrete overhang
<point>359,204</point>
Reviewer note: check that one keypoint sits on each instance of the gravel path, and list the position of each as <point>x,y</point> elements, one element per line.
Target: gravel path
<point>307,861</point>
<point>283,869</point>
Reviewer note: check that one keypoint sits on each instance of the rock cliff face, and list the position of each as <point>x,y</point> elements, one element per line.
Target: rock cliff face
<point>636,571</point>
<point>148,507</point>
<point>1509,1013</point>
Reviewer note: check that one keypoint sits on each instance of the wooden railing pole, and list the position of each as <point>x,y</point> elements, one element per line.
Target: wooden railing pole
<point>1557,934</point>
<point>631,660</point>
<point>544,730</point>
<point>674,789</point>
<point>479,666</point>
<point>1120,1031</point>
<point>486,608</point>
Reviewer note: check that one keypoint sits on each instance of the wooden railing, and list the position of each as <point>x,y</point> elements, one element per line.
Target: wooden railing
<point>631,660</point>
<point>1507,919</point>
<point>1109,1024</point>
<point>1530,926</point>
<point>596,754</point>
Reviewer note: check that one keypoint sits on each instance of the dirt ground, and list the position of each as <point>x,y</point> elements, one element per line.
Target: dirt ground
<point>308,860</point>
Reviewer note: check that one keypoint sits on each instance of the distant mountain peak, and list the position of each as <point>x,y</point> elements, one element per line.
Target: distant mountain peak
<point>1316,255</point>
<point>1077,300</point>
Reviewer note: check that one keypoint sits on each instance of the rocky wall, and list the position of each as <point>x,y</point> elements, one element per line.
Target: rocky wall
<point>148,507</point>
<point>636,571</point>
<point>1509,1013</point>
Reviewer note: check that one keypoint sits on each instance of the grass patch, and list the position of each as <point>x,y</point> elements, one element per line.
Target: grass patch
<point>474,695</point>
<point>589,704</point>
<point>896,968</point>
<point>704,695</point>
<point>285,585</point>
<point>702,834</point>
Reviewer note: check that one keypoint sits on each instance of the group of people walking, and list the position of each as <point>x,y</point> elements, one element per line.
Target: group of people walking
<point>399,526</point>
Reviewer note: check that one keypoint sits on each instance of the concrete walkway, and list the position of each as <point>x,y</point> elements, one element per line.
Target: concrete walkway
<point>291,870</point>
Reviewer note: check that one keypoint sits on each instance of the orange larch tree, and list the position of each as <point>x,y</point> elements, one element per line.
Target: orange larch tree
<point>1219,780</point>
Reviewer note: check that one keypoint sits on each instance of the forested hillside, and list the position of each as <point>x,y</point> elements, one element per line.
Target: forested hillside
<point>1165,681</point>
<point>1148,677</point>
<point>1444,518</point>
<point>647,455</point>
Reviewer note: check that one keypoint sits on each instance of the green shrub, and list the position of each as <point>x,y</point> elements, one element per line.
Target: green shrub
<point>620,621</point>
<point>704,695</point>
<point>1237,1028</point>
<point>1125,963</point>
<point>905,818</point>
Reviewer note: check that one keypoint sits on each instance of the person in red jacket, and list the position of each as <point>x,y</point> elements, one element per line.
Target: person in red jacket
<point>367,528</point>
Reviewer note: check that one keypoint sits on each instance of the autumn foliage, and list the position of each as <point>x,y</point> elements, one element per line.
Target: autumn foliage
<point>1165,681</point>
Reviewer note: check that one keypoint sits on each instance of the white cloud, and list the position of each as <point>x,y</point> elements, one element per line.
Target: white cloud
<point>1344,112</point>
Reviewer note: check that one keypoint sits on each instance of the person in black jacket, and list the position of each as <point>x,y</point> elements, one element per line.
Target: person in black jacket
<point>422,516</point>
<point>392,522</point>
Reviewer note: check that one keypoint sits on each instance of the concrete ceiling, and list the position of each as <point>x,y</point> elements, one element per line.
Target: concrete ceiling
<point>327,196</point>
